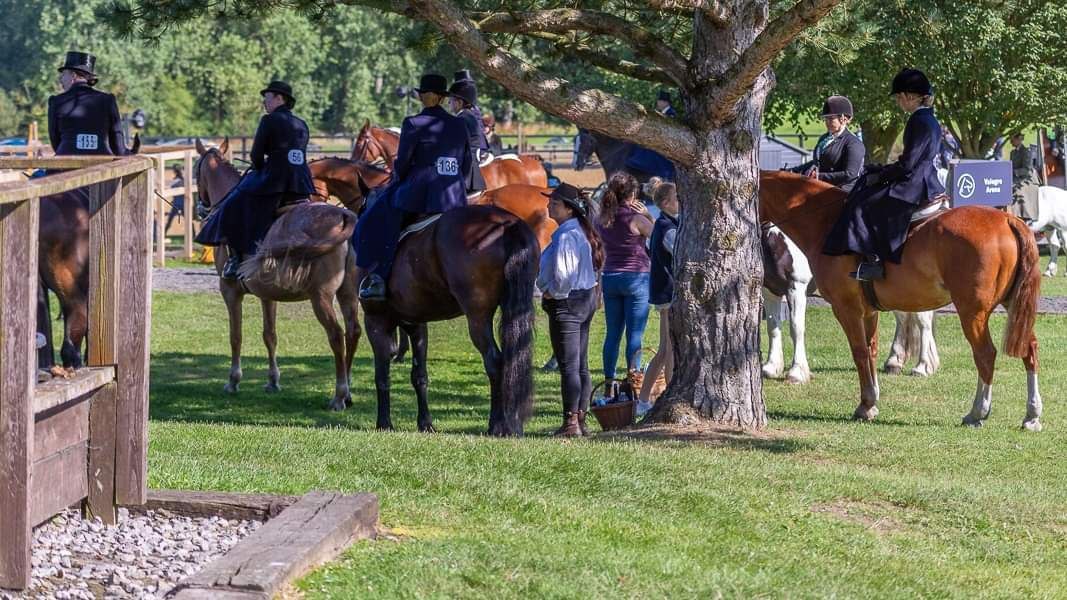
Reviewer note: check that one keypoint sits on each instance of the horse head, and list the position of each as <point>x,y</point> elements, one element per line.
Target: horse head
<point>584,147</point>
<point>215,176</point>
<point>375,146</point>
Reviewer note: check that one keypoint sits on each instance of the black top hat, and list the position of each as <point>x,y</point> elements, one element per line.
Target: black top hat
<point>80,61</point>
<point>462,75</point>
<point>912,80</point>
<point>432,82</point>
<point>665,96</point>
<point>571,196</point>
<point>465,90</point>
<point>837,105</point>
<point>280,87</point>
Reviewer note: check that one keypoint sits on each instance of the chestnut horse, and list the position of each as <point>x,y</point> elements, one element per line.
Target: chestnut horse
<point>471,261</point>
<point>378,146</point>
<point>306,255</point>
<point>974,257</point>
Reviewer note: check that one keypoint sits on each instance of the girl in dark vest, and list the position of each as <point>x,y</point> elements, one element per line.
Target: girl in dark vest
<point>875,221</point>
<point>624,225</point>
<point>661,287</point>
<point>567,280</point>
<point>838,155</point>
<point>83,120</point>
<point>279,175</point>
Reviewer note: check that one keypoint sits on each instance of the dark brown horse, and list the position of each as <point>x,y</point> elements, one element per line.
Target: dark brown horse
<point>305,256</point>
<point>974,257</point>
<point>378,146</point>
<point>472,261</point>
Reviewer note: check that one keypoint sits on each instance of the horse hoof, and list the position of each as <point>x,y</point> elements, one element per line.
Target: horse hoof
<point>230,388</point>
<point>865,414</point>
<point>798,378</point>
<point>892,370</point>
<point>428,428</point>
<point>1032,425</point>
<point>917,372</point>
<point>387,426</point>
<point>348,401</point>
<point>771,373</point>
<point>969,421</point>
<point>337,404</point>
<point>271,388</point>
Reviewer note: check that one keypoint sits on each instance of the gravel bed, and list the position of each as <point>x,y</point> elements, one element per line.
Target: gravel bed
<point>169,279</point>
<point>142,557</point>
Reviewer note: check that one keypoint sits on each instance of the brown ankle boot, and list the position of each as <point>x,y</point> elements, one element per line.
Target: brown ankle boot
<point>581,422</point>
<point>570,427</point>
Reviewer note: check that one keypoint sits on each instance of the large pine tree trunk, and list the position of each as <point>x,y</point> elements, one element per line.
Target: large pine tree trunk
<point>879,141</point>
<point>715,317</point>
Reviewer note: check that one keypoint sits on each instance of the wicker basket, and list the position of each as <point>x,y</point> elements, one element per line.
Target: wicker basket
<point>615,415</point>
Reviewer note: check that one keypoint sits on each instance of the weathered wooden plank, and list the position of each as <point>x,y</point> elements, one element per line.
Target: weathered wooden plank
<point>59,391</point>
<point>161,213</point>
<point>102,434</point>
<point>214,593</point>
<point>18,358</point>
<point>60,429</point>
<point>105,238</point>
<point>62,182</point>
<point>53,162</point>
<point>255,507</point>
<point>59,481</point>
<point>135,306</point>
<point>306,534</point>
<point>189,207</point>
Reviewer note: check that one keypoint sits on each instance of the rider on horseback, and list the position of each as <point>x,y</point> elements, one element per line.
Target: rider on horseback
<point>279,176</point>
<point>838,155</point>
<point>432,164</point>
<point>463,99</point>
<point>878,212</point>
<point>82,120</point>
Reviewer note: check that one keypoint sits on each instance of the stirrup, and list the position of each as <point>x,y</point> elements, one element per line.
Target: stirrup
<point>372,288</point>
<point>232,266</point>
<point>869,270</point>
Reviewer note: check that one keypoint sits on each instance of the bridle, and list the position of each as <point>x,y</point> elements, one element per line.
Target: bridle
<point>366,142</point>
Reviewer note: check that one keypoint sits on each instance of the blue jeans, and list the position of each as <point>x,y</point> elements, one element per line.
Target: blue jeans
<point>625,307</point>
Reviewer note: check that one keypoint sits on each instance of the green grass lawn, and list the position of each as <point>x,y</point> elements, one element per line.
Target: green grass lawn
<point>911,505</point>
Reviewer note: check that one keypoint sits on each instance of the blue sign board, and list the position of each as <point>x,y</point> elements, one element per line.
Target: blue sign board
<point>983,182</point>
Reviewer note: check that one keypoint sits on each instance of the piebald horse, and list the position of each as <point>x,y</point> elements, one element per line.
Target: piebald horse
<point>974,257</point>
<point>378,146</point>
<point>305,256</point>
<point>1052,220</point>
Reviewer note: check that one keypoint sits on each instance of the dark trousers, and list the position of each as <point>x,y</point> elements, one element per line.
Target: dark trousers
<point>568,328</point>
<point>377,235</point>
<point>871,223</point>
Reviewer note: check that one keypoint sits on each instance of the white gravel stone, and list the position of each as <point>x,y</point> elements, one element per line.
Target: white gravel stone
<point>143,557</point>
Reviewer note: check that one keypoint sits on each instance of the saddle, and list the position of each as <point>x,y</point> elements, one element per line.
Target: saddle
<point>421,222</point>
<point>489,157</point>
<point>935,205</point>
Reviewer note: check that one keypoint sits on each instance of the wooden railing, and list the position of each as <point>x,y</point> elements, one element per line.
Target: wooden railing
<point>84,438</point>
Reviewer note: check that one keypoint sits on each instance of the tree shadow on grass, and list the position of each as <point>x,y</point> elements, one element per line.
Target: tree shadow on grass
<point>775,441</point>
<point>843,418</point>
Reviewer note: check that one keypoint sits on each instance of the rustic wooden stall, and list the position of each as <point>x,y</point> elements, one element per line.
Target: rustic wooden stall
<point>81,440</point>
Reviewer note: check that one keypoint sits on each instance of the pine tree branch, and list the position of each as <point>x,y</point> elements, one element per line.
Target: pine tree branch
<point>605,60</point>
<point>714,10</point>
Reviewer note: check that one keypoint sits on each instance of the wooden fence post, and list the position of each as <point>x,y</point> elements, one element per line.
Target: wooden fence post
<point>161,213</point>
<point>190,204</point>
<point>135,306</point>
<point>18,366</point>
<point>105,238</point>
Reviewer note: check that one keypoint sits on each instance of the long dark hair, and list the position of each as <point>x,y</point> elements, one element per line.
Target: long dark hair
<point>595,243</point>
<point>621,187</point>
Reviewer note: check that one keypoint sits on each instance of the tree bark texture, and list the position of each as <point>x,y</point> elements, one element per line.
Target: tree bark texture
<point>879,141</point>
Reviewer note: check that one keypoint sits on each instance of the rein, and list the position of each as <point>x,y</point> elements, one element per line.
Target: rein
<point>365,144</point>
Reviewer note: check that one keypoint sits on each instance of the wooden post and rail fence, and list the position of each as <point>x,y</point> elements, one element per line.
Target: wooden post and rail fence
<point>82,439</point>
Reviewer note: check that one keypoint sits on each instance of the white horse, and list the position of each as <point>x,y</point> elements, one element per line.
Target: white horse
<point>1052,219</point>
<point>787,284</point>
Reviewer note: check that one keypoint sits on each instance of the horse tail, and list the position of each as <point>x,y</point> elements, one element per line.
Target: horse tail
<point>1022,302</point>
<point>517,324</point>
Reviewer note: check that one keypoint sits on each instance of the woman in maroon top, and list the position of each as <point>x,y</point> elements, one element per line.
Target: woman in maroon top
<point>624,225</point>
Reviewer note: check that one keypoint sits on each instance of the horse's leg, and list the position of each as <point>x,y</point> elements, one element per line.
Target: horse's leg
<point>976,329</point>
<point>861,342</point>
<point>898,351</point>
<point>772,307</point>
<point>929,359</point>
<point>1033,395</point>
<point>380,332</point>
<point>403,344</point>
<point>46,358</point>
<point>798,307</point>
<point>1054,242</point>
<point>348,299</point>
<point>419,378</point>
<point>270,340</point>
<point>234,297</point>
<point>322,305</point>
<point>480,328</point>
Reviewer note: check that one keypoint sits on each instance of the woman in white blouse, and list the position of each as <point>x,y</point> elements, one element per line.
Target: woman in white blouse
<point>568,280</point>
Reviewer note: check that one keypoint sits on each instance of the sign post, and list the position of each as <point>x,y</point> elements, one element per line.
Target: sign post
<point>981,182</point>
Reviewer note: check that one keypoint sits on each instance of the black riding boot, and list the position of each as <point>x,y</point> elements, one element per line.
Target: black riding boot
<point>233,264</point>
<point>372,288</point>
<point>870,269</point>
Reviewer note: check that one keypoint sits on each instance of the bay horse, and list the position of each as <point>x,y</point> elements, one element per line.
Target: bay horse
<point>974,257</point>
<point>306,255</point>
<point>610,152</point>
<point>378,146</point>
<point>471,261</point>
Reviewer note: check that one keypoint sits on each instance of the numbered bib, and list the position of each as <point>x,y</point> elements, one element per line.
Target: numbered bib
<point>87,141</point>
<point>296,157</point>
<point>446,165</point>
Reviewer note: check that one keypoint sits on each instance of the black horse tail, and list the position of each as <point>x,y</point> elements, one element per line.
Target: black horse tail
<point>517,324</point>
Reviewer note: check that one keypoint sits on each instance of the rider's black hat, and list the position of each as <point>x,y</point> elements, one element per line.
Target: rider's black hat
<point>83,62</point>
<point>571,196</point>
<point>912,80</point>
<point>465,90</point>
<point>432,82</point>
<point>837,105</point>
<point>282,88</point>
<point>665,96</point>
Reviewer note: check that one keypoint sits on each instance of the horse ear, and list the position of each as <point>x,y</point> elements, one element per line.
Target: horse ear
<point>366,127</point>
<point>200,149</point>
<point>224,148</point>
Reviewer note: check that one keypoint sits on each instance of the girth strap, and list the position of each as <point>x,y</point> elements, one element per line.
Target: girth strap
<point>868,293</point>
